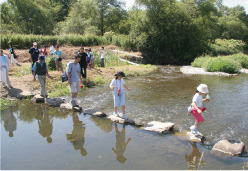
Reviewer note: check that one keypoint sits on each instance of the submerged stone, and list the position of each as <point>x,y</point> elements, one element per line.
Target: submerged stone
<point>94,113</point>
<point>195,138</point>
<point>231,147</point>
<point>159,127</point>
<point>54,102</point>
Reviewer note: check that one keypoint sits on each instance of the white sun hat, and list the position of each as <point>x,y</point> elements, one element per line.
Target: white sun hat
<point>34,43</point>
<point>203,88</point>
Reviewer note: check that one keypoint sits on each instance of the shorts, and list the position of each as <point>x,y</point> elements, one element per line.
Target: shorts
<point>92,60</point>
<point>198,116</point>
<point>119,100</point>
<point>75,87</point>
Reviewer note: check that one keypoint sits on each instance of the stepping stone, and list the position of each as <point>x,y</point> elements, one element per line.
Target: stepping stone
<point>195,138</point>
<point>94,113</point>
<point>38,99</point>
<point>65,106</point>
<point>121,120</point>
<point>231,147</point>
<point>24,95</point>
<point>159,127</point>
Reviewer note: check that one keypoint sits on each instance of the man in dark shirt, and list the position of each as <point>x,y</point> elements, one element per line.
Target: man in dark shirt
<point>83,62</point>
<point>34,54</point>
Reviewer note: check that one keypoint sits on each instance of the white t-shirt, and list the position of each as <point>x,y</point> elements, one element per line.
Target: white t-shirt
<point>4,63</point>
<point>118,84</point>
<point>197,99</point>
<point>51,49</point>
<point>103,54</point>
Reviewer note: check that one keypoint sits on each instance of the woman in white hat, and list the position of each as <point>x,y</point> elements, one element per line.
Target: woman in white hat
<point>201,90</point>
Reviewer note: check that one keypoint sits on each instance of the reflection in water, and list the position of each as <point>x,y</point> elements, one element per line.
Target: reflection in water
<point>105,124</point>
<point>120,144</point>
<point>9,120</point>
<point>45,124</point>
<point>194,158</point>
<point>77,135</point>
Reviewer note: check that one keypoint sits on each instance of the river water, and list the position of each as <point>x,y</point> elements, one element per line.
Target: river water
<point>35,136</point>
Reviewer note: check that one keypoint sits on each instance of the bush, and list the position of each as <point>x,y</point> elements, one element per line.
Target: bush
<point>222,64</point>
<point>51,63</point>
<point>241,58</point>
<point>226,47</point>
<point>199,62</point>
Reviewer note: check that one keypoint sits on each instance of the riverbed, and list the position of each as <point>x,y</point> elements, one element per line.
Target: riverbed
<point>35,136</point>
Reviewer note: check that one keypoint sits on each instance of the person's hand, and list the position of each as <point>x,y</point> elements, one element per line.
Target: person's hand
<point>34,78</point>
<point>30,60</point>
<point>69,82</point>
<point>199,111</point>
<point>128,89</point>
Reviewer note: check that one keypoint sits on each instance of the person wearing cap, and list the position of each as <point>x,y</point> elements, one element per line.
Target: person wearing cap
<point>4,68</point>
<point>34,54</point>
<point>118,84</point>
<point>197,110</point>
<point>40,68</point>
<point>74,78</point>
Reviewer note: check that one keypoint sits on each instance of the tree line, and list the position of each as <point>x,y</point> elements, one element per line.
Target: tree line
<point>165,31</point>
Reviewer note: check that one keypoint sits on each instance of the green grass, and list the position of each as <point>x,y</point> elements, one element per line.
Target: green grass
<point>111,59</point>
<point>6,103</point>
<point>222,64</point>
<point>21,71</point>
<point>241,58</point>
<point>199,62</point>
<point>59,90</point>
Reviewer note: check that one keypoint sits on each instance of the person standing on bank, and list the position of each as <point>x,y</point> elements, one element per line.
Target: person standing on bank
<point>58,59</point>
<point>74,78</point>
<point>12,55</point>
<point>40,68</point>
<point>83,62</point>
<point>197,110</point>
<point>102,57</point>
<point>34,54</point>
<point>92,59</point>
<point>4,68</point>
<point>118,84</point>
<point>51,49</point>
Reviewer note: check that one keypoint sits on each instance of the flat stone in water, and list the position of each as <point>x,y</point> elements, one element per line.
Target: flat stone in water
<point>121,120</point>
<point>231,147</point>
<point>24,95</point>
<point>38,99</point>
<point>94,112</point>
<point>159,127</point>
<point>195,138</point>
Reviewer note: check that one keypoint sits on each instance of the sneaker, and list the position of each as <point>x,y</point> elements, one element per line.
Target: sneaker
<point>195,131</point>
<point>124,116</point>
<point>192,128</point>
<point>115,114</point>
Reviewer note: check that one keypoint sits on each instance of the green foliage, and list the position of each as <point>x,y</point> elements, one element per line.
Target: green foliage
<point>6,103</point>
<point>226,47</point>
<point>51,63</point>
<point>111,59</point>
<point>200,61</point>
<point>222,64</point>
<point>241,58</point>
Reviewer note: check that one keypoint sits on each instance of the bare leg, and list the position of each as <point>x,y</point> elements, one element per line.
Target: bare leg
<point>198,124</point>
<point>123,109</point>
<point>115,108</point>
<point>61,66</point>
<point>56,63</point>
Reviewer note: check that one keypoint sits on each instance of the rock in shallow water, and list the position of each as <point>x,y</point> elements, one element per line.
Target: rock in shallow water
<point>232,147</point>
<point>159,127</point>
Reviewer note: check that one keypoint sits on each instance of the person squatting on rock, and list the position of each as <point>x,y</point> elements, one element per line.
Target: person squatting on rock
<point>118,84</point>
<point>13,57</point>
<point>74,78</point>
<point>40,68</point>
<point>34,54</point>
<point>4,68</point>
<point>196,106</point>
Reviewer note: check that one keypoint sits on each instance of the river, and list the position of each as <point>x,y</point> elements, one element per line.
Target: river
<point>38,137</point>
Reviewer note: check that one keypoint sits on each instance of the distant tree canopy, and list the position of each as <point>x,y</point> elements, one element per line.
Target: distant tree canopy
<point>166,31</point>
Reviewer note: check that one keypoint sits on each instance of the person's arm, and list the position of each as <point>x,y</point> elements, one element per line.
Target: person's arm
<point>124,85</point>
<point>198,110</point>
<point>79,75</point>
<point>111,85</point>
<point>31,53</point>
<point>69,77</point>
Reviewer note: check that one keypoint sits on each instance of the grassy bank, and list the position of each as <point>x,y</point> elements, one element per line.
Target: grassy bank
<point>6,103</point>
<point>230,64</point>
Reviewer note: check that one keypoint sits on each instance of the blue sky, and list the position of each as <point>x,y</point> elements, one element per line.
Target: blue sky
<point>229,3</point>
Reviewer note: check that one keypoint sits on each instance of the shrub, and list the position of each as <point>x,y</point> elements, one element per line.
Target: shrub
<point>199,62</point>
<point>241,58</point>
<point>51,63</point>
<point>222,64</point>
